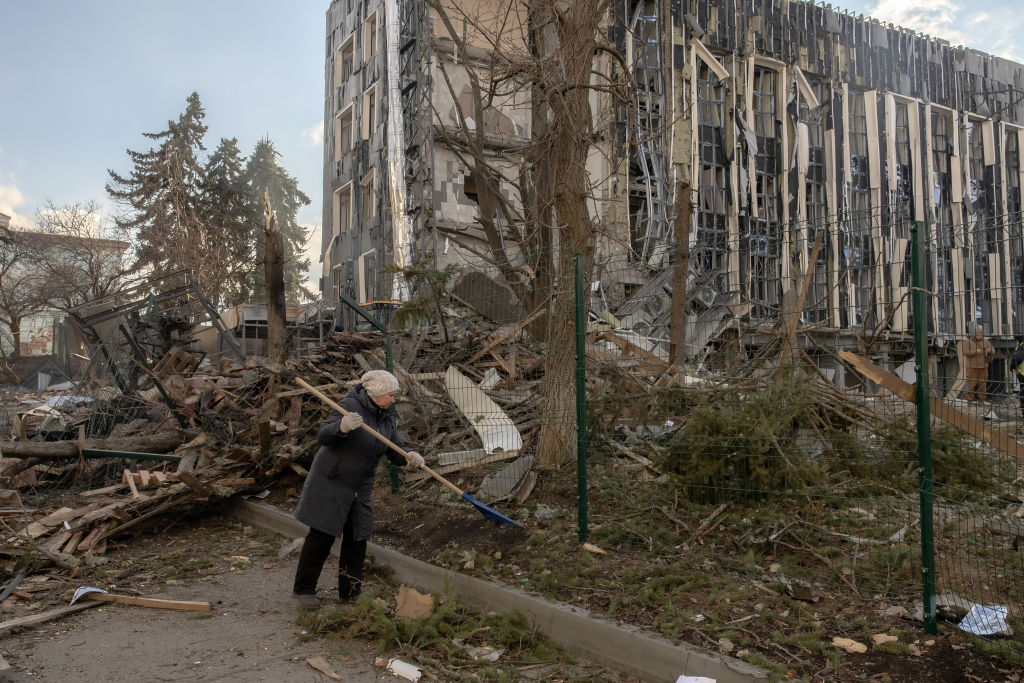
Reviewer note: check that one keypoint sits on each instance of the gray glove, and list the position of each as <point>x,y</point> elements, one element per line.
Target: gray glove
<point>415,459</point>
<point>350,422</point>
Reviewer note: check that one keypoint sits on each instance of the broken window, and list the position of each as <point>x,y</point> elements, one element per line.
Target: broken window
<point>712,243</point>
<point>648,182</point>
<point>857,260</point>
<point>336,282</point>
<point>1016,234</point>
<point>982,222</point>
<point>817,305</point>
<point>343,134</point>
<point>369,112</point>
<point>761,242</point>
<point>903,181</point>
<point>368,197</point>
<point>370,38</point>
<point>942,214</point>
<point>342,210</point>
<point>343,64</point>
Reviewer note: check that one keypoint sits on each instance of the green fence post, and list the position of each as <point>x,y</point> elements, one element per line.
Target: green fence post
<point>581,402</point>
<point>388,362</point>
<point>924,443</point>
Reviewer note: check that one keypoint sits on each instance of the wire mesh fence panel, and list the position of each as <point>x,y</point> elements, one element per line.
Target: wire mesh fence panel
<point>974,329</point>
<point>757,422</point>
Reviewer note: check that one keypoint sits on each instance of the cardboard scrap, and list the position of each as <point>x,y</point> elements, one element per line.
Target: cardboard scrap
<point>413,605</point>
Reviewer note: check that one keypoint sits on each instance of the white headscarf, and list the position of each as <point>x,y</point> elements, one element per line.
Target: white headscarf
<point>379,382</point>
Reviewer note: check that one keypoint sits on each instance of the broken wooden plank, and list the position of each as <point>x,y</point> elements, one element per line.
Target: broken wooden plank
<point>645,359</point>
<point>193,483</point>
<point>506,336</point>
<point>183,605</point>
<point>996,438</point>
<point>130,480</point>
<point>43,617</point>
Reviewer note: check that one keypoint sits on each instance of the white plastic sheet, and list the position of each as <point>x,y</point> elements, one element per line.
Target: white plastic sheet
<point>986,620</point>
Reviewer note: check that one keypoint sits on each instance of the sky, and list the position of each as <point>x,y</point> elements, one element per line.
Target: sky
<point>80,81</point>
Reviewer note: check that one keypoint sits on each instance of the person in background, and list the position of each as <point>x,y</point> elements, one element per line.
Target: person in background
<point>337,498</point>
<point>1017,367</point>
<point>977,353</point>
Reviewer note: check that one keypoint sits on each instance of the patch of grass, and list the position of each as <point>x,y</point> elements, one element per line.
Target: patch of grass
<point>432,639</point>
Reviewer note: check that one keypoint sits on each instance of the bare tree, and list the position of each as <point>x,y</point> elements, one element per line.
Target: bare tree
<point>533,196</point>
<point>80,263</point>
<point>22,290</point>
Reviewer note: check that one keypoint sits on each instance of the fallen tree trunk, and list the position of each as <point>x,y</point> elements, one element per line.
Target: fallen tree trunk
<point>162,442</point>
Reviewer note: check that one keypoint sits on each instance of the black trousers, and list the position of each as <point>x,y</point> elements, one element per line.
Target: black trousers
<point>315,550</point>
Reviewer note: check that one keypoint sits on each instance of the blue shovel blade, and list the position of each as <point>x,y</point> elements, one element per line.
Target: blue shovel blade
<point>491,513</point>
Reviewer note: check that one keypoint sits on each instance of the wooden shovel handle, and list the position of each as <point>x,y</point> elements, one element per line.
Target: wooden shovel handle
<point>380,437</point>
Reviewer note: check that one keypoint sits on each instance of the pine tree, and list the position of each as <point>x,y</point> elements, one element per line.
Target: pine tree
<point>262,172</point>
<point>161,199</point>
<point>228,215</point>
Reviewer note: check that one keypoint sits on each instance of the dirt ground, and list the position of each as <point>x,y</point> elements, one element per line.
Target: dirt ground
<point>250,635</point>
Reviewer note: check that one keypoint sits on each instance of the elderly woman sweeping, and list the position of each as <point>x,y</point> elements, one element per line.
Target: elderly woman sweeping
<point>337,499</point>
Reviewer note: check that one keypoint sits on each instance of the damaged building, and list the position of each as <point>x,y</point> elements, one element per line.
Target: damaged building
<point>790,123</point>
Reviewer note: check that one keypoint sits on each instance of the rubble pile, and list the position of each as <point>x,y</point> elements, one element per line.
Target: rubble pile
<point>83,468</point>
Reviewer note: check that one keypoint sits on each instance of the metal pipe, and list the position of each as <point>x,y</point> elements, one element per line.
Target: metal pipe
<point>924,444</point>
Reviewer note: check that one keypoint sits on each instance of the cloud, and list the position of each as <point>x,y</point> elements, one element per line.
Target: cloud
<point>956,23</point>
<point>312,252</point>
<point>10,199</point>
<point>314,135</point>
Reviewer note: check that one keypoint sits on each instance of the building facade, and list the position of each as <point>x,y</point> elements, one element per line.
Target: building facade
<point>790,123</point>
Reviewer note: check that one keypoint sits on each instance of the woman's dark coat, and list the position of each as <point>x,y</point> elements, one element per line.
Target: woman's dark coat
<point>342,471</point>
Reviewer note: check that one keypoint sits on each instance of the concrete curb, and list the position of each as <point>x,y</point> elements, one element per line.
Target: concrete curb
<point>622,647</point>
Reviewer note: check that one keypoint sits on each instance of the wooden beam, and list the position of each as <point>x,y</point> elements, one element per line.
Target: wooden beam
<point>996,438</point>
<point>43,617</point>
<point>183,605</point>
<point>508,335</point>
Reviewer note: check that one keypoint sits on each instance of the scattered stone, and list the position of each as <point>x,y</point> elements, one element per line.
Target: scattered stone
<point>321,665</point>
<point>880,638</point>
<point>897,611</point>
<point>725,645</point>
<point>851,646</point>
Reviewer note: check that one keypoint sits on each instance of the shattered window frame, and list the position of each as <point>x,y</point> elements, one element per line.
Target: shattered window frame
<point>858,251</point>
<point>816,208</point>
<point>761,242</point>
<point>342,209</point>
<point>1015,233</point>
<point>982,222</point>
<point>942,215</point>
<point>712,240</point>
